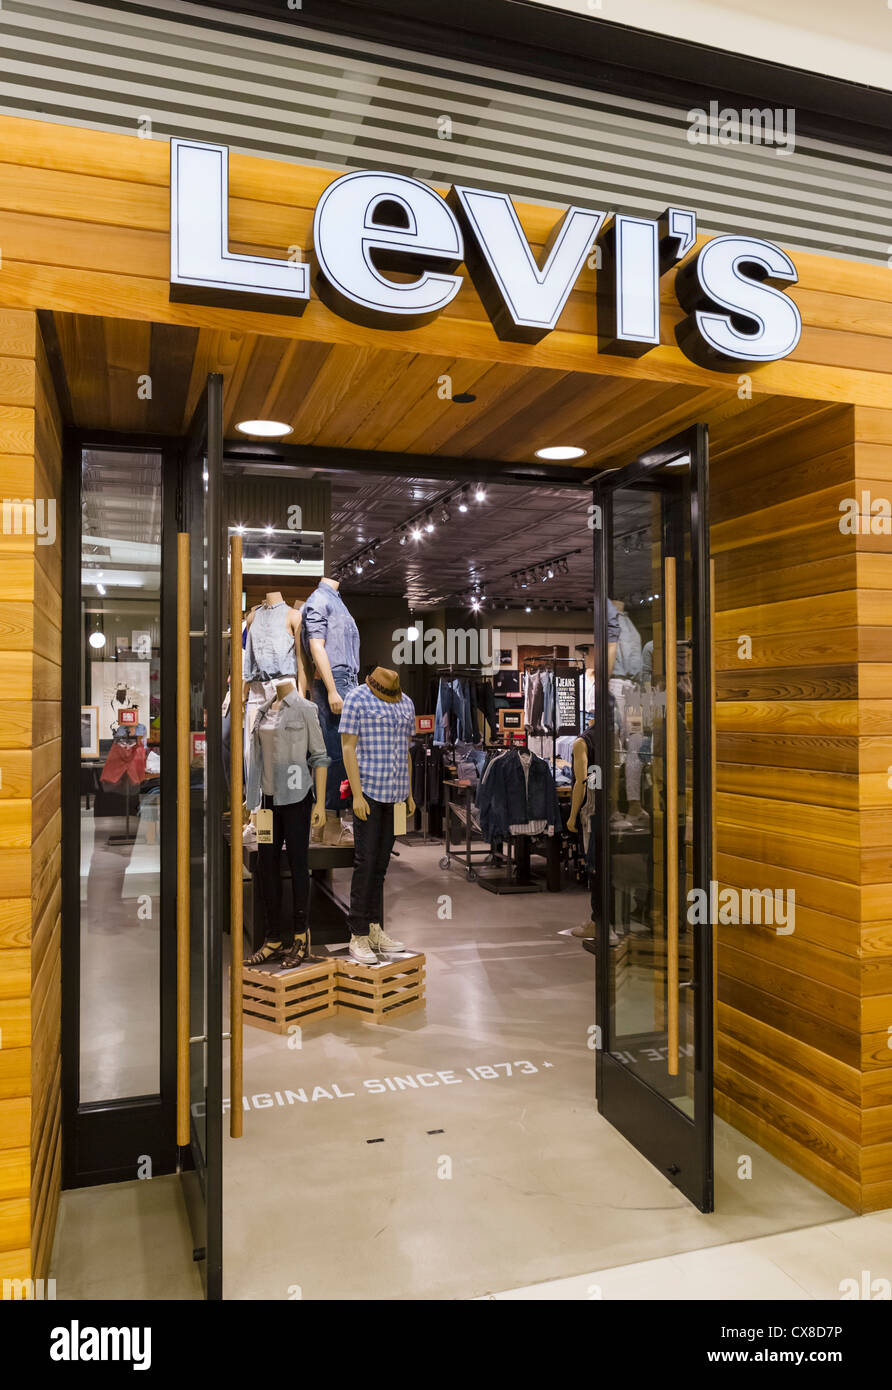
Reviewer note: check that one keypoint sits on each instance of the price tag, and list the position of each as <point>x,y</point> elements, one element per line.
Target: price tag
<point>263,822</point>
<point>399,818</point>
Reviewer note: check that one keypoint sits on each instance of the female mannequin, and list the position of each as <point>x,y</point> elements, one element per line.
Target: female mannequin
<point>286,743</point>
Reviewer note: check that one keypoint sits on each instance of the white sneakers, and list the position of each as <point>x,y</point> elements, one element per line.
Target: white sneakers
<point>363,948</point>
<point>361,951</point>
<point>380,941</point>
<point>585,932</point>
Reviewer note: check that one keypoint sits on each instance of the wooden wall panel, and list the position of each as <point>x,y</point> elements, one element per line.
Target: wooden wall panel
<point>803,622</point>
<point>30,818</point>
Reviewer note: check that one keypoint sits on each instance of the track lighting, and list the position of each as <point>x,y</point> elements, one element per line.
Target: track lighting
<point>445,514</point>
<point>429,522</point>
<point>463,500</point>
<point>480,493</point>
<point>417,533</point>
<point>404,536</point>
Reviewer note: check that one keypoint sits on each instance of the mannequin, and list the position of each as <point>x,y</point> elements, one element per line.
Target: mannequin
<point>272,634</point>
<point>377,725</point>
<point>286,742</point>
<point>330,640</point>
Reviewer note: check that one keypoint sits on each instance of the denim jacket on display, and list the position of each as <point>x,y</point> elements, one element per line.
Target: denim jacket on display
<point>326,615</point>
<point>298,745</point>
<point>269,646</point>
<point>507,796</point>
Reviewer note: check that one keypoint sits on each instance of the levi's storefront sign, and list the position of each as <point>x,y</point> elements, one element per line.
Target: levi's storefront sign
<point>368,225</point>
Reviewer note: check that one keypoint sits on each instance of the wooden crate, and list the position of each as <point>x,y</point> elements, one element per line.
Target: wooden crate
<point>277,999</point>
<point>379,993</point>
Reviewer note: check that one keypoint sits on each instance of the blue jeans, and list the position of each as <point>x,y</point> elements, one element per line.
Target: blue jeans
<point>344,680</point>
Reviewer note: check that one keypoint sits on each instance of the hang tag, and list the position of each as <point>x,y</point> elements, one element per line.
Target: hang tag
<point>399,818</point>
<point>263,822</point>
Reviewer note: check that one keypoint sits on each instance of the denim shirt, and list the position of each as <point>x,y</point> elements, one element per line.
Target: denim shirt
<point>326,615</point>
<point>269,647</point>
<point>298,746</point>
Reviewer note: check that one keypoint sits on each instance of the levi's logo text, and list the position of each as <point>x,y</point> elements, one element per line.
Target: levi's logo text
<point>369,226</point>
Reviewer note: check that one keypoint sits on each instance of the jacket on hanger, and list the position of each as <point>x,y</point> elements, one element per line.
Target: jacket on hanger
<point>517,796</point>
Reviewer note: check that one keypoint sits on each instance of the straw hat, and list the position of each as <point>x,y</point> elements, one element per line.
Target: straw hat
<point>385,684</point>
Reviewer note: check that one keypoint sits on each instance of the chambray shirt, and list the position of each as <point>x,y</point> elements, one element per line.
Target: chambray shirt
<point>383,730</point>
<point>326,615</point>
<point>269,646</point>
<point>293,746</point>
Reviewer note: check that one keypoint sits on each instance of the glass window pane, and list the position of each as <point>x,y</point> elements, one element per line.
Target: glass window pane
<point>120,790</point>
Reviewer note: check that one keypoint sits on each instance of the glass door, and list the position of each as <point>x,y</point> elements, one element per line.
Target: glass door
<point>200,899</point>
<point>653,810</point>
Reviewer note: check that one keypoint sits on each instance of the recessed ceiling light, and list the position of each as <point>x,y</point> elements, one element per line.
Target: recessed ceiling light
<point>269,429</point>
<point>97,639</point>
<point>463,398</point>
<point>560,451</point>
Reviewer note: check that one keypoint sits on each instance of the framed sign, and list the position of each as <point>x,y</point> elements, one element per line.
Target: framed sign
<point>89,731</point>
<point>129,716</point>
<point>424,723</point>
<point>566,698</point>
<point>198,742</point>
<point>512,721</point>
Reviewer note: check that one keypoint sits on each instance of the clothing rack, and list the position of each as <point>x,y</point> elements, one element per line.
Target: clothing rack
<point>551,663</point>
<point>475,673</point>
<point>424,741</point>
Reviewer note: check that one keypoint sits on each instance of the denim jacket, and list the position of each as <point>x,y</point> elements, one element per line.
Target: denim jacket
<point>298,747</point>
<point>507,796</point>
<point>326,615</point>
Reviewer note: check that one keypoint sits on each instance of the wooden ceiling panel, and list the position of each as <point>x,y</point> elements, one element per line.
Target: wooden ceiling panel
<point>380,399</point>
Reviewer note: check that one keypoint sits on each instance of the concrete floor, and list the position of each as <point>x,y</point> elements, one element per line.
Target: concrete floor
<point>460,1189</point>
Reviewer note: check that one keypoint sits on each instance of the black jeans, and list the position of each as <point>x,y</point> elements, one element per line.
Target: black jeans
<point>291,827</point>
<point>372,844</point>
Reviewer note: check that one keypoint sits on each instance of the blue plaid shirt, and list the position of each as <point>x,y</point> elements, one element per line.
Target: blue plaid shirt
<point>383,729</point>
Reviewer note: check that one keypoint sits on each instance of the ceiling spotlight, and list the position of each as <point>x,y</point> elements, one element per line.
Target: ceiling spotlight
<point>551,571</point>
<point>100,588</point>
<point>417,533</point>
<point>475,604</point>
<point>463,500</point>
<point>97,639</point>
<point>445,514</point>
<point>564,567</point>
<point>358,567</point>
<point>480,493</point>
<point>557,452</point>
<point>524,579</point>
<point>268,530</point>
<point>268,429</point>
<point>429,522</point>
<point>528,608</point>
<point>370,558</point>
<point>403,536</point>
<point>543,574</point>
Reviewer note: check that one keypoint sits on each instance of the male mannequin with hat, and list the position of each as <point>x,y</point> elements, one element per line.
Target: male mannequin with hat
<point>377,724</point>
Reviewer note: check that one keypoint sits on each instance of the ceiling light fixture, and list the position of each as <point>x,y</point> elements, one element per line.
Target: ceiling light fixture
<point>266,429</point>
<point>480,493</point>
<point>97,639</point>
<point>463,500</point>
<point>555,453</point>
<point>429,522</point>
<point>417,533</point>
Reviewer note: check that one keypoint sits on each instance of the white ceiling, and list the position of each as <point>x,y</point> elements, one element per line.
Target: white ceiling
<point>853,41</point>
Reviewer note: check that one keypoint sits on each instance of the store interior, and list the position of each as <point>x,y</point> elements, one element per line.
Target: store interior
<point>453,1148</point>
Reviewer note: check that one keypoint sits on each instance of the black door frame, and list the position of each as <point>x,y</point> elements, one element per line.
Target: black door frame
<point>102,1141</point>
<point>681,1149</point>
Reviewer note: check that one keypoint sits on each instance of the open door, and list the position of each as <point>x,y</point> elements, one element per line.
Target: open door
<point>200,798</point>
<point>654,810</point>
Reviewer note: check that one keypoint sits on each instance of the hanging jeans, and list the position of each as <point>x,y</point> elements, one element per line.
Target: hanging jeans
<point>344,679</point>
<point>291,828</point>
<point>372,843</point>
